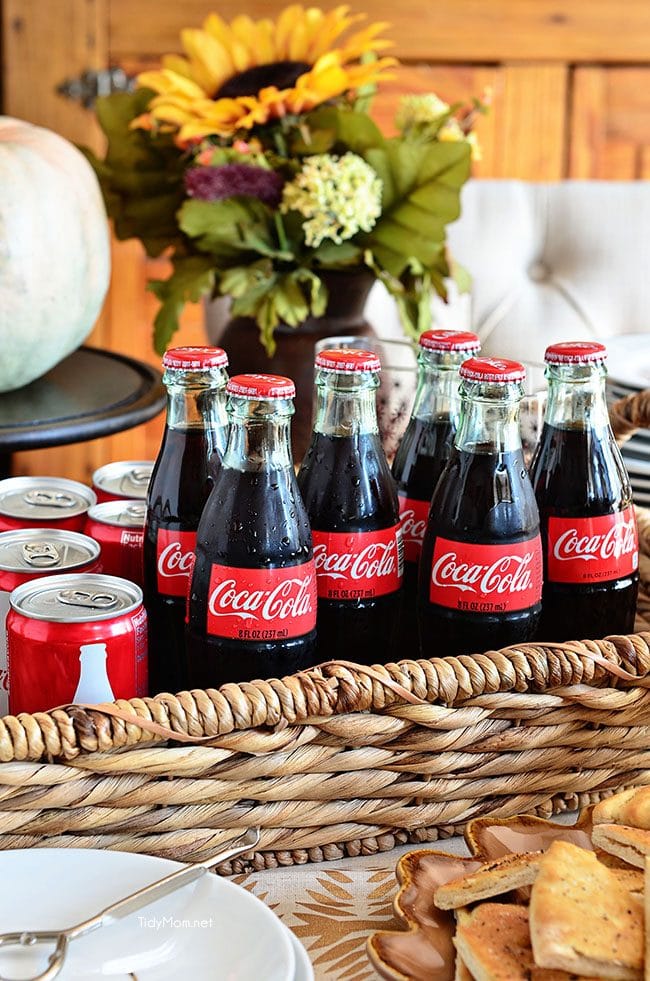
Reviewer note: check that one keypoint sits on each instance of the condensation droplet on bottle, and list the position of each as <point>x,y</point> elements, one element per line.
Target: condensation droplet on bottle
<point>285,541</point>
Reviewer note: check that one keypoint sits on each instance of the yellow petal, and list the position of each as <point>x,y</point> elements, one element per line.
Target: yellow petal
<point>245,31</point>
<point>334,24</point>
<point>364,41</point>
<point>265,42</point>
<point>171,114</point>
<point>298,43</point>
<point>178,64</point>
<point>286,24</point>
<point>210,60</point>
<point>167,81</point>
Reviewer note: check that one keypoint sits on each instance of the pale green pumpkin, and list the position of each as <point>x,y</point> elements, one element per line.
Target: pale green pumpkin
<point>54,251</point>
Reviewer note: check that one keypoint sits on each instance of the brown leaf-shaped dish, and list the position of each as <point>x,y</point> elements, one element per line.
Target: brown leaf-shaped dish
<point>425,951</point>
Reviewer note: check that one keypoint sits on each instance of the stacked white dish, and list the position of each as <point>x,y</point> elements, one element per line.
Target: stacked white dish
<point>208,931</point>
<point>628,366</point>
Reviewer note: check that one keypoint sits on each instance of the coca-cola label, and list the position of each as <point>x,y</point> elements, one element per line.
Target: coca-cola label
<point>413,516</point>
<point>486,578</point>
<point>175,561</point>
<point>262,604</point>
<point>583,550</point>
<point>358,564</point>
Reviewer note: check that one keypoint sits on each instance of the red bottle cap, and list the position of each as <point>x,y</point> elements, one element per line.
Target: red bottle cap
<point>576,352</point>
<point>348,360</point>
<point>449,340</point>
<point>261,387</point>
<point>492,370</point>
<point>195,358</point>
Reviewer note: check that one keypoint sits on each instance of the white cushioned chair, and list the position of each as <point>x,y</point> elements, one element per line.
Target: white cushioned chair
<point>549,262</point>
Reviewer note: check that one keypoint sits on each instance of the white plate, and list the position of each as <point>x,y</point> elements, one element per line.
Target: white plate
<point>628,360</point>
<point>209,931</point>
<point>304,969</point>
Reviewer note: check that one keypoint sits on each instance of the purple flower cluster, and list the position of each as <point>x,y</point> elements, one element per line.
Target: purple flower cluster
<point>229,180</point>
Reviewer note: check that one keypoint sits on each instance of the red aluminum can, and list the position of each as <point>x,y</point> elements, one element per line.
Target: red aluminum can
<point>31,553</point>
<point>118,526</point>
<point>125,480</point>
<point>44,502</point>
<point>79,638</point>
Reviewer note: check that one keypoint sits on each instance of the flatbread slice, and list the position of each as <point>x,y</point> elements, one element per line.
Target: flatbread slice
<point>631,844</point>
<point>583,919</point>
<point>492,879</point>
<point>493,944</point>
<point>631,807</point>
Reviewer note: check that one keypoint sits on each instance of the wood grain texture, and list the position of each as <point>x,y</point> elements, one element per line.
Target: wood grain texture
<point>531,122</point>
<point>449,30</point>
<point>610,123</point>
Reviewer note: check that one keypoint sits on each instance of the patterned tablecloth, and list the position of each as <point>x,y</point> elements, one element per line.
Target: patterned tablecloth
<point>333,907</point>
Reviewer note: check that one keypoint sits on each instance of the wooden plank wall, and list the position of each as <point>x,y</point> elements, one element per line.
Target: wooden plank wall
<point>571,98</point>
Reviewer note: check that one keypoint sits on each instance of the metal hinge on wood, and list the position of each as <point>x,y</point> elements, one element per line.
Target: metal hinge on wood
<point>88,86</point>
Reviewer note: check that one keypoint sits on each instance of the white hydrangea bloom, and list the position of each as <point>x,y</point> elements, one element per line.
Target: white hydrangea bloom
<point>420,110</point>
<point>339,196</point>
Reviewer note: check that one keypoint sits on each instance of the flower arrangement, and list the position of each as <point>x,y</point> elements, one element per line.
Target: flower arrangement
<point>252,158</point>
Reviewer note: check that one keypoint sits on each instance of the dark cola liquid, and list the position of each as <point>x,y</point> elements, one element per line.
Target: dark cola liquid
<point>573,611</point>
<point>419,461</point>
<point>180,484</point>
<point>482,498</point>
<point>251,521</point>
<point>347,485</point>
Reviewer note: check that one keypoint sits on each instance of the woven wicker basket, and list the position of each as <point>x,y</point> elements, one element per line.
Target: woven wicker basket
<point>340,760</point>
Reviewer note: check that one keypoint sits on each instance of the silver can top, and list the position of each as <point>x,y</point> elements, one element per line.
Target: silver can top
<point>82,598</point>
<point>123,514</point>
<point>126,478</point>
<point>34,550</point>
<point>44,498</point>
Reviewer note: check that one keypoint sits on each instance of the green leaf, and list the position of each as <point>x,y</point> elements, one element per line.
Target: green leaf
<point>231,226</point>
<point>271,298</point>
<point>421,195</point>
<point>352,130</point>
<point>460,275</point>
<point>192,278</point>
<point>331,255</point>
<point>141,176</point>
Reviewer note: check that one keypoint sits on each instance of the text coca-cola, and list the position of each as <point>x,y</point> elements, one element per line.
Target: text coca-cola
<point>585,503</point>
<point>252,604</point>
<point>194,440</point>
<point>351,499</point>
<point>481,568</point>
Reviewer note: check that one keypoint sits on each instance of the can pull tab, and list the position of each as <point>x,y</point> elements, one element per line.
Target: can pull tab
<point>81,597</point>
<point>136,512</point>
<point>138,477</point>
<point>41,555</point>
<point>50,499</point>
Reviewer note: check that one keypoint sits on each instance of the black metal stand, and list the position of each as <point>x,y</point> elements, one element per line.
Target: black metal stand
<point>91,393</point>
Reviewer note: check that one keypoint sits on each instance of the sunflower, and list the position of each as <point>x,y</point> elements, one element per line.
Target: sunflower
<point>246,73</point>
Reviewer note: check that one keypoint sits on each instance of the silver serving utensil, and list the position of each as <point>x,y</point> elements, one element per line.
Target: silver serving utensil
<point>123,907</point>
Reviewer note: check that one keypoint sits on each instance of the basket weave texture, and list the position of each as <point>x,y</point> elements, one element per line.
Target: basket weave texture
<point>340,760</point>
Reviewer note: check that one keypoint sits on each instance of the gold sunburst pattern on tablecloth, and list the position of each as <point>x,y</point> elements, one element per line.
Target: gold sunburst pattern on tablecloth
<point>332,912</point>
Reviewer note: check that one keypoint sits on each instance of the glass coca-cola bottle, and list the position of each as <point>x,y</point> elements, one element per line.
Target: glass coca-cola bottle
<point>193,442</point>
<point>585,502</point>
<point>481,565</point>
<point>252,605</point>
<point>351,500</point>
<point>424,450</point>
